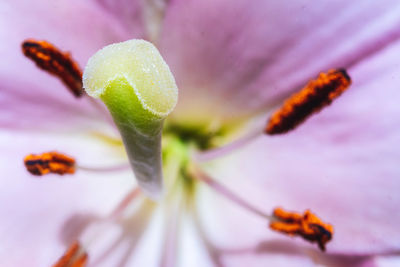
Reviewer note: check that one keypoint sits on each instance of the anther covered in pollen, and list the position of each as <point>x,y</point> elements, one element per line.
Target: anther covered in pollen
<point>308,226</point>
<point>49,162</point>
<point>75,256</point>
<point>51,59</point>
<point>312,98</point>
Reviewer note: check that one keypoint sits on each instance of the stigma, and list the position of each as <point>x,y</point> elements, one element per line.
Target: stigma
<point>49,162</point>
<point>51,59</point>
<point>316,95</point>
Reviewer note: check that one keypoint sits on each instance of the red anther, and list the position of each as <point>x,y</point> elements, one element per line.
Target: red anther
<point>51,59</point>
<point>49,162</point>
<point>312,98</point>
<point>308,226</point>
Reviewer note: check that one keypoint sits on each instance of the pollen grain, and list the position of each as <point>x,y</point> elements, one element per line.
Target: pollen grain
<point>53,60</point>
<point>49,162</point>
<point>316,95</point>
<point>306,225</point>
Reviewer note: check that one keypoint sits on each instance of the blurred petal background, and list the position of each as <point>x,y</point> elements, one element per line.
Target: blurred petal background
<point>232,59</point>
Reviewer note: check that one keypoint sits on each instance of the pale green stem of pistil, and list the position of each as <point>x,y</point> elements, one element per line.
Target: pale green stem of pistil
<point>138,88</point>
<point>141,133</point>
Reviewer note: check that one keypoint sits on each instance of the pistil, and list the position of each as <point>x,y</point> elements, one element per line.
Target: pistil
<point>138,88</point>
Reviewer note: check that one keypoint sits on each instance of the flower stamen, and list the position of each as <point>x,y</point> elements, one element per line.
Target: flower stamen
<point>308,226</point>
<point>316,95</point>
<point>49,162</point>
<point>75,256</point>
<point>56,162</point>
<point>54,61</point>
<point>51,59</point>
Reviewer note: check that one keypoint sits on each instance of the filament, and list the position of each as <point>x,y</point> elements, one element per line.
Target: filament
<point>228,194</point>
<point>116,168</point>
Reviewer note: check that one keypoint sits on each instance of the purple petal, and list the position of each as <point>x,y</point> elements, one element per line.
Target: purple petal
<point>36,210</point>
<point>238,57</point>
<point>128,13</point>
<point>342,164</point>
<point>140,18</point>
<point>30,96</point>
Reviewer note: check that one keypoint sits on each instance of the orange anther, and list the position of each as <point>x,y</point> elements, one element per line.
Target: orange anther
<point>75,256</point>
<point>308,226</point>
<point>312,98</point>
<point>49,162</point>
<point>51,59</point>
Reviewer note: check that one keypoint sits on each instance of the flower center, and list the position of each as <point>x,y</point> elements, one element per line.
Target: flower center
<point>139,90</point>
<point>179,145</point>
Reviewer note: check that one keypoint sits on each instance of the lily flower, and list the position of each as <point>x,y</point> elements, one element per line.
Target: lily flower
<point>225,176</point>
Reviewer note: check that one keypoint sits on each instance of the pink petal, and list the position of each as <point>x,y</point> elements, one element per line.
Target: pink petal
<point>342,164</point>
<point>238,57</point>
<point>140,18</point>
<point>30,96</point>
<point>129,14</point>
<point>36,210</point>
<point>234,73</point>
